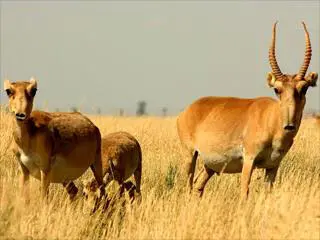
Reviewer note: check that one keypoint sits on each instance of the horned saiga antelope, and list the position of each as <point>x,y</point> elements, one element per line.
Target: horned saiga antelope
<point>235,135</point>
<point>52,147</point>
<point>121,158</point>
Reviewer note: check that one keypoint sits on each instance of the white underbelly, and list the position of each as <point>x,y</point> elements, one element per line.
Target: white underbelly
<point>229,161</point>
<point>60,170</point>
<point>31,163</point>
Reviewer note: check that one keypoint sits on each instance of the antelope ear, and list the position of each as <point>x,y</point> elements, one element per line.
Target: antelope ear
<point>312,79</point>
<point>33,82</point>
<point>271,79</point>
<point>6,84</point>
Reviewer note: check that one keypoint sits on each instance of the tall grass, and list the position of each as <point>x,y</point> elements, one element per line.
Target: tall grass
<point>291,211</point>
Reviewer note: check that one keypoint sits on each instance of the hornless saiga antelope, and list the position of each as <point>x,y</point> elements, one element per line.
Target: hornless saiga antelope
<point>121,158</point>
<point>52,147</point>
<point>235,135</point>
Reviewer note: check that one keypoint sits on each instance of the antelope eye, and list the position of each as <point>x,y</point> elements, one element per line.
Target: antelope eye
<point>9,92</point>
<point>33,92</point>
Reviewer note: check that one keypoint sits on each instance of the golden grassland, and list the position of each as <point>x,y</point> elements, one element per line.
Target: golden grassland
<point>291,211</point>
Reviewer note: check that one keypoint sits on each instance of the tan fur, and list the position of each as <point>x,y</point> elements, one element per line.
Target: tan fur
<point>234,135</point>
<point>52,147</point>
<point>317,119</point>
<point>121,158</point>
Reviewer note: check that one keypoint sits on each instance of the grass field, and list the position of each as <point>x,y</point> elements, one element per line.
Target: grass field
<point>291,211</point>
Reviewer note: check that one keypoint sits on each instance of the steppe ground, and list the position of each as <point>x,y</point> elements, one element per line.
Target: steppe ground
<point>291,211</point>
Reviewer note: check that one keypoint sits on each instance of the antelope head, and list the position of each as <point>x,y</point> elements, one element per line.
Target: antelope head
<point>21,95</point>
<point>291,89</point>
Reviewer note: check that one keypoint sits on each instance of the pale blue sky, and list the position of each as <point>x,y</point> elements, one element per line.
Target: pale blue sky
<point>113,54</point>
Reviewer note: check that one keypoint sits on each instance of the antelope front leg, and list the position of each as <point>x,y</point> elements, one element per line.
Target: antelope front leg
<point>45,182</point>
<point>46,163</point>
<point>24,183</point>
<point>270,176</point>
<point>247,169</point>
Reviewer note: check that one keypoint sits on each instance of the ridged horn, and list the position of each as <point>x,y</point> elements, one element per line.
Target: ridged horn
<point>272,56</point>
<point>307,55</point>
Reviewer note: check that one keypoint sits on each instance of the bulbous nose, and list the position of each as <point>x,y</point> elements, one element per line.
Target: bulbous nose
<point>20,116</point>
<point>290,127</point>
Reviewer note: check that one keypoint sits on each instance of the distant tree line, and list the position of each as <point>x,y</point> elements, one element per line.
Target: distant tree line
<point>142,108</point>
<point>140,111</point>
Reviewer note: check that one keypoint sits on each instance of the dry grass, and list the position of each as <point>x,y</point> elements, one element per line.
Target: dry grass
<point>292,211</point>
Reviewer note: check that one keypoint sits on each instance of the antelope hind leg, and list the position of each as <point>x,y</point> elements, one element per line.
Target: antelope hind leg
<point>71,189</point>
<point>202,179</point>
<point>190,166</point>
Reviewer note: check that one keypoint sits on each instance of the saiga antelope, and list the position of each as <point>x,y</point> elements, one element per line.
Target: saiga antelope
<point>235,135</point>
<point>52,147</point>
<point>121,158</point>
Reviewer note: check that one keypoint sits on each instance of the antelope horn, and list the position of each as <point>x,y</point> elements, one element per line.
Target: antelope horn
<point>307,55</point>
<point>272,56</point>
